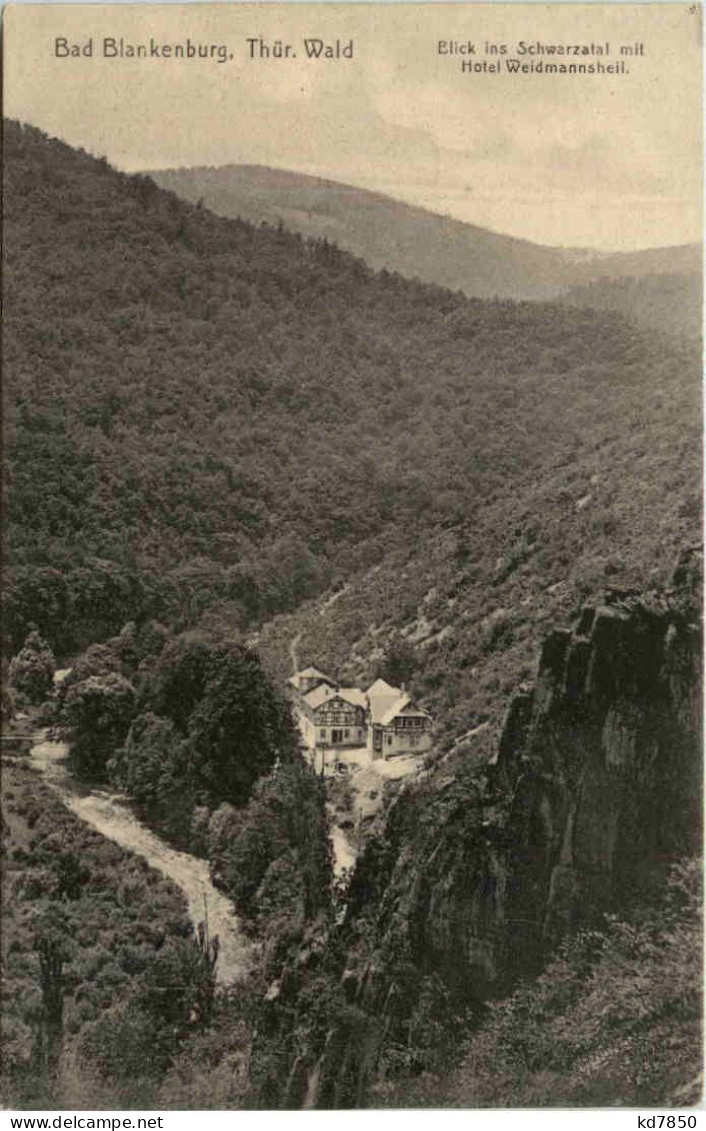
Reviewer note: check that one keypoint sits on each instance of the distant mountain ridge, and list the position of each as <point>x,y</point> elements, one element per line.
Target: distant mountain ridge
<point>672,302</point>
<point>201,414</point>
<point>226,429</point>
<point>401,237</point>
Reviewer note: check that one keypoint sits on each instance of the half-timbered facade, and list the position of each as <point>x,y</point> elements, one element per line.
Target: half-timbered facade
<point>396,726</point>
<point>380,722</point>
<point>333,717</point>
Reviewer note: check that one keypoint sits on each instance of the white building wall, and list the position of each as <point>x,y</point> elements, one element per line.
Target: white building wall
<point>308,730</point>
<point>349,736</point>
<point>405,741</point>
<point>314,735</point>
<point>395,740</point>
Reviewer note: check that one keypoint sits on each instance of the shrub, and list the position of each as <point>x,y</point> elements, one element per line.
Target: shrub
<point>32,670</point>
<point>274,854</point>
<point>98,712</point>
<point>615,1019</point>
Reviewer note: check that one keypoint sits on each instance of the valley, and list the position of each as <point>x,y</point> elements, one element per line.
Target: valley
<point>237,452</point>
<point>110,815</point>
<point>395,236</point>
<point>108,922</point>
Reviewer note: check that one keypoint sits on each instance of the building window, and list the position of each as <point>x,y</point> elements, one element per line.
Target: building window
<point>346,733</point>
<point>389,740</point>
<point>322,733</point>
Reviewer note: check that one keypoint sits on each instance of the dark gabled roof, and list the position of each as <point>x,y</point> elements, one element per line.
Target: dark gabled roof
<point>319,695</point>
<point>310,673</point>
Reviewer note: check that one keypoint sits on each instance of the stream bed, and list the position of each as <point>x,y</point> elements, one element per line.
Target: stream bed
<point>110,814</point>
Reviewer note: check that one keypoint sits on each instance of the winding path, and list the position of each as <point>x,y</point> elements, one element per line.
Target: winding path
<point>294,652</point>
<point>109,814</point>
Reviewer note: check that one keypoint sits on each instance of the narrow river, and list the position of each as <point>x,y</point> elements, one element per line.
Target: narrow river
<point>109,814</point>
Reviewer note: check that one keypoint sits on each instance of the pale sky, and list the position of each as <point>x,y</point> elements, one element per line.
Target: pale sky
<point>606,161</point>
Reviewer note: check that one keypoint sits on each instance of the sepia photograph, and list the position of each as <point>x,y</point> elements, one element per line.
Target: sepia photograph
<point>352,595</point>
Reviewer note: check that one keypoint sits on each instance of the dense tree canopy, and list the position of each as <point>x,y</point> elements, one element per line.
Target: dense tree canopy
<point>97,713</point>
<point>211,420</point>
<point>206,725</point>
<point>32,669</point>
<point>274,856</point>
<point>200,412</point>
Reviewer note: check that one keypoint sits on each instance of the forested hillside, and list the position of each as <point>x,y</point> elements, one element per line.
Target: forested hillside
<point>203,414</point>
<point>417,243</point>
<point>234,439</point>
<point>671,302</point>
<point>583,820</point>
<point>385,232</point>
<point>615,502</point>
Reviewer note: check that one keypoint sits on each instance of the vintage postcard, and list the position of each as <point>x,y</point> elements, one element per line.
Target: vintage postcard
<point>352,690</point>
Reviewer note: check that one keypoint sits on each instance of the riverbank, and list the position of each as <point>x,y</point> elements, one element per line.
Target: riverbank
<point>106,910</point>
<point>109,813</point>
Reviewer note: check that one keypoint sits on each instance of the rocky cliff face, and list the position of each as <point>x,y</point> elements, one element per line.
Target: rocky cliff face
<point>603,761</point>
<point>595,789</point>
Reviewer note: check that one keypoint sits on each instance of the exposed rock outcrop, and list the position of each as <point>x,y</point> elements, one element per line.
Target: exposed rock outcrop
<point>595,789</point>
